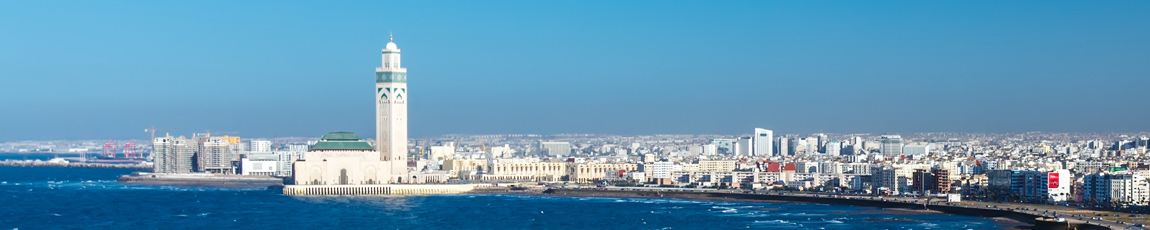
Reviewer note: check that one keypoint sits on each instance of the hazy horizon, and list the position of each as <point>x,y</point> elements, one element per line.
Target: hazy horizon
<point>100,70</point>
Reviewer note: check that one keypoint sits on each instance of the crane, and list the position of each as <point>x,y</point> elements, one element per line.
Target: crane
<point>153,131</point>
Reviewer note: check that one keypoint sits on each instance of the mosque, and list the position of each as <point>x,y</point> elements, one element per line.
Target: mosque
<point>343,164</point>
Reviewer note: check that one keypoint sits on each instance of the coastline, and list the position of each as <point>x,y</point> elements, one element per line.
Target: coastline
<point>59,164</point>
<point>1010,217</point>
<point>203,180</point>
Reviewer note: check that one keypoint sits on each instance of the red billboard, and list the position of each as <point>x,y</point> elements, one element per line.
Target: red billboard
<point>1052,181</point>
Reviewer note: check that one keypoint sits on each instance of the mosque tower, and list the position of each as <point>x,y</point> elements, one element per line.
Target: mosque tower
<point>391,110</point>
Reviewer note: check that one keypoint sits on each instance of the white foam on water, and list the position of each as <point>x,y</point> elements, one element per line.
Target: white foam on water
<point>774,222</point>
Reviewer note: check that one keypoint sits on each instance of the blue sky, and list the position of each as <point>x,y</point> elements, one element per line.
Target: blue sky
<point>108,69</point>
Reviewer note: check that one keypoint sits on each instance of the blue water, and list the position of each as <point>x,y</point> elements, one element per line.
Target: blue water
<point>55,198</point>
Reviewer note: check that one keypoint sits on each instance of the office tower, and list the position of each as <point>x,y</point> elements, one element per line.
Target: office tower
<point>822,143</point>
<point>762,142</point>
<point>890,145</point>
<point>782,146</point>
<point>743,146</point>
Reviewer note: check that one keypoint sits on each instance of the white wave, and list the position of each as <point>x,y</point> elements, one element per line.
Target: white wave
<point>782,222</point>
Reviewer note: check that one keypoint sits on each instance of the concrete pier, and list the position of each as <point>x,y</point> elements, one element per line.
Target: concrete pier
<point>380,189</point>
<point>202,180</point>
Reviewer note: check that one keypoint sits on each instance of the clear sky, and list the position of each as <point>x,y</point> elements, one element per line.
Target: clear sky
<point>109,69</point>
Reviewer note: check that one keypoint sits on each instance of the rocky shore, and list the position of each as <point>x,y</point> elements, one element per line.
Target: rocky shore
<point>65,164</point>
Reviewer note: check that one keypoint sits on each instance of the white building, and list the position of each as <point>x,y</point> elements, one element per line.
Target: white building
<point>342,158</point>
<point>556,149</point>
<point>261,146</point>
<point>763,141</point>
<point>743,146</point>
<point>915,150</point>
<point>1117,189</point>
<point>710,150</point>
<point>445,151</point>
<point>661,169</point>
<point>502,151</point>
<point>264,164</point>
<point>890,145</point>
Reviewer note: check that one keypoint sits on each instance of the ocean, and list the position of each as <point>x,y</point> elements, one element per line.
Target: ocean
<point>79,198</point>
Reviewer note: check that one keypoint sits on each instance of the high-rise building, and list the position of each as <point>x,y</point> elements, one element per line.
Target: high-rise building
<point>890,145</point>
<point>391,109</point>
<point>743,146</point>
<point>832,148</point>
<point>215,156</point>
<point>726,146</point>
<point>822,143</point>
<point>763,140</point>
<point>172,155</point>
<point>782,146</point>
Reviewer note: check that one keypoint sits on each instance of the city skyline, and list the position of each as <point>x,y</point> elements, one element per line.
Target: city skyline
<point>546,68</point>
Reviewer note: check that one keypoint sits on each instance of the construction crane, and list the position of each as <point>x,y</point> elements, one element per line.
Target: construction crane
<point>153,131</point>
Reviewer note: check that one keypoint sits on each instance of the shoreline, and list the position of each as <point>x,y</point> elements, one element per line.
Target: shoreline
<point>1024,220</point>
<point>54,164</point>
<point>203,180</point>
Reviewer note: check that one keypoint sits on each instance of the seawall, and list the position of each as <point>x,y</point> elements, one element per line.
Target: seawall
<point>39,163</point>
<point>969,211</point>
<point>379,189</point>
<point>203,180</point>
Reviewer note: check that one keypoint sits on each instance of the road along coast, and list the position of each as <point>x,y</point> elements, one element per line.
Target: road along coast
<point>1036,221</point>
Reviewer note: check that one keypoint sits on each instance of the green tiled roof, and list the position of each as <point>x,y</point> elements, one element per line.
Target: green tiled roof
<point>340,141</point>
<point>339,136</point>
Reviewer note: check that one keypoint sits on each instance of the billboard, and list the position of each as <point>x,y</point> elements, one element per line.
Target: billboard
<point>1052,181</point>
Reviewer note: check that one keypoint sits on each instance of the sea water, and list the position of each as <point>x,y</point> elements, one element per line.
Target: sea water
<point>81,198</point>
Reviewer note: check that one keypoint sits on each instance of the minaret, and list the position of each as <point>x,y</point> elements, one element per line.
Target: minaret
<point>391,111</point>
